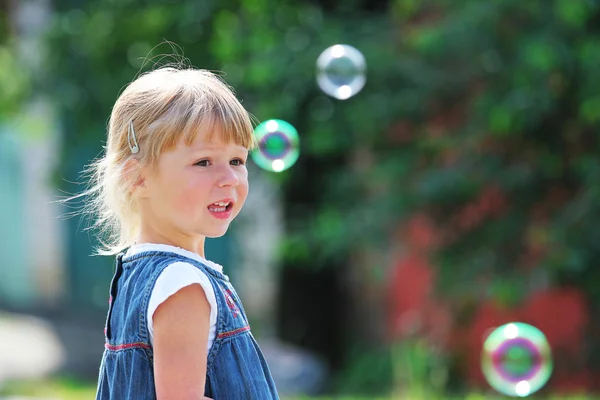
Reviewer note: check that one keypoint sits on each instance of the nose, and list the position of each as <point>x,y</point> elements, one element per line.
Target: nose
<point>228,177</point>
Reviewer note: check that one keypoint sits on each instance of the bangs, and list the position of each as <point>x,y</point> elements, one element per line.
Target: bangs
<point>190,111</point>
<point>228,122</point>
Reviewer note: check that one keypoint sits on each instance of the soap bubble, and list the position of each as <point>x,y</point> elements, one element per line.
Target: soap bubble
<point>341,71</point>
<point>278,145</point>
<point>516,359</point>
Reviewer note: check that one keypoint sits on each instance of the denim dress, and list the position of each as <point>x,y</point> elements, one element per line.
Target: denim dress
<point>236,368</point>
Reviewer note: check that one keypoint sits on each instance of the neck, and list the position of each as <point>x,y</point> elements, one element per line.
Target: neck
<point>193,243</point>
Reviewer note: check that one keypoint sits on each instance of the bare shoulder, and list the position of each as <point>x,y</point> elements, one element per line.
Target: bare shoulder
<point>186,305</point>
<point>181,327</point>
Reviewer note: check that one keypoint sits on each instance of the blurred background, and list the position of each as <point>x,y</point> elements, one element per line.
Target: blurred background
<point>459,190</point>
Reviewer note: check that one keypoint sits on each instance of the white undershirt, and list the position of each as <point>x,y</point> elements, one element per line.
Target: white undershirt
<point>175,277</point>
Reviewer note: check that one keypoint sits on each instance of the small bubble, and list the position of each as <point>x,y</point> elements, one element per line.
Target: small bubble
<point>341,71</point>
<point>516,359</point>
<point>278,145</point>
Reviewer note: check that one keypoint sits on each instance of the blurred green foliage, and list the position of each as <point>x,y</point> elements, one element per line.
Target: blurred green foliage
<point>483,115</point>
<point>14,79</point>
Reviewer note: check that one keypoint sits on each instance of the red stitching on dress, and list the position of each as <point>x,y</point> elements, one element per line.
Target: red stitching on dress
<point>233,332</point>
<point>231,302</point>
<point>126,346</point>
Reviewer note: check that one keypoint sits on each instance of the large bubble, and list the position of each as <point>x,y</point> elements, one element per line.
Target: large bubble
<point>341,71</point>
<point>278,145</point>
<point>516,359</point>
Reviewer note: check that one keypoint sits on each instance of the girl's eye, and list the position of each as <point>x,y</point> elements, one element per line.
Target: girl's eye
<point>238,162</point>
<point>203,163</point>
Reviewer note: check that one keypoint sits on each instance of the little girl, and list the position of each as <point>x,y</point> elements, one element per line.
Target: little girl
<point>173,174</point>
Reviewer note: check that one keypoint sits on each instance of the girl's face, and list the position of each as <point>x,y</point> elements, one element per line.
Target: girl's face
<point>195,191</point>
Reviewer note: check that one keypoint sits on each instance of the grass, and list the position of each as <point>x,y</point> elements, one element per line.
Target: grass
<point>70,389</point>
<point>59,389</point>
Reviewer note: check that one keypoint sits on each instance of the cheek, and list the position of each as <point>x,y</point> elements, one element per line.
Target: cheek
<point>191,196</point>
<point>174,194</point>
<point>242,189</point>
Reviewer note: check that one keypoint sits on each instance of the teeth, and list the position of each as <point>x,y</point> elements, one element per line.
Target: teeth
<point>219,206</point>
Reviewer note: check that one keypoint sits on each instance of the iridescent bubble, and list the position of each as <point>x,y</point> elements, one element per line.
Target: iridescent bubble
<point>341,71</point>
<point>278,145</point>
<point>516,359</point>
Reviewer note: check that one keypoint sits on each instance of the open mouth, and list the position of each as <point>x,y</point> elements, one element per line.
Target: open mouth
<point>220,206</point>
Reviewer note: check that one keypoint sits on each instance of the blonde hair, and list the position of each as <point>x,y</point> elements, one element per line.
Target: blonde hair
<point>164,106</point>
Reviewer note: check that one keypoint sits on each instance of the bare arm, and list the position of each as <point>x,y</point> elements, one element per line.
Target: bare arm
<point>181,326</point>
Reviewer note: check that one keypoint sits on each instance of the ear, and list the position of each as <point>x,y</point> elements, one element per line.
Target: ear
<point>134,174</point>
